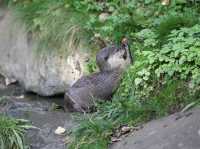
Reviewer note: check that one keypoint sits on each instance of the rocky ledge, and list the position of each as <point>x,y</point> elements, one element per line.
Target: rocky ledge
<point>178,131</point>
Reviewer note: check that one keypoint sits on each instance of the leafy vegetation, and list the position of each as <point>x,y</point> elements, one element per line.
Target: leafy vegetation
<point>162,79</point>
<point>12,133</point>
<point>131,105</point>
<point>165,41</point>
<point>91,66</point>
<point>177,58</point>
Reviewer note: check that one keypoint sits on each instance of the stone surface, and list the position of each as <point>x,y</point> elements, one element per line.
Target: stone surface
<point>178,131</point>
<point>39,111</point>
<point>45,74</point>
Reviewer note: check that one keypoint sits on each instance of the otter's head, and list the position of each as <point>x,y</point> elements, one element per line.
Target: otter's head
<point>114,57</point>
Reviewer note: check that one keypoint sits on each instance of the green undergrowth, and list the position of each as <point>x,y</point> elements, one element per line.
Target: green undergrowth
<point>55,25</point>
<point>12,133</point>
<point>95,131</point>
<point>163,80</point>
<point>66,25</point>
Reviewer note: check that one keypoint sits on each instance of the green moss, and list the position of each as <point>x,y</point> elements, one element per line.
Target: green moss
<point>53,24</point>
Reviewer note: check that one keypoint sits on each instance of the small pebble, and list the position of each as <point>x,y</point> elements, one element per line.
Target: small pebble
<point>114,139</point>
<point>125,129</point>
<point>60,130</point>
<point>20,97</point>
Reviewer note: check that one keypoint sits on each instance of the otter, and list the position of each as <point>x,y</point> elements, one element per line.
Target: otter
<point>83,94</point>
<point>112,57</point>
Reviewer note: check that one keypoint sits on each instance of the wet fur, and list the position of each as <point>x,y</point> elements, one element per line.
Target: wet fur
<point>112,61</point>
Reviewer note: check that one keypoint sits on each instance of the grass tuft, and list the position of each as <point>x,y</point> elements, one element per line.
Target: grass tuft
<point>12,133</point>
<point>176,21</point>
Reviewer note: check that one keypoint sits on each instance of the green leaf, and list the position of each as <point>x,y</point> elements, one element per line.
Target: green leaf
<point>138,81</point>
<point>19,140</point>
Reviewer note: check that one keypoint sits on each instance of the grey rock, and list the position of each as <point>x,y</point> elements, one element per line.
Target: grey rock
<point>178,131</point>
<point>38,110</point>
<point>2,82</point>
<point>46,74</point>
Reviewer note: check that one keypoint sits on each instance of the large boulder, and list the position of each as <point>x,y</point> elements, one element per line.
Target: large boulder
<point>178,131</point>
<point>46,74</point>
